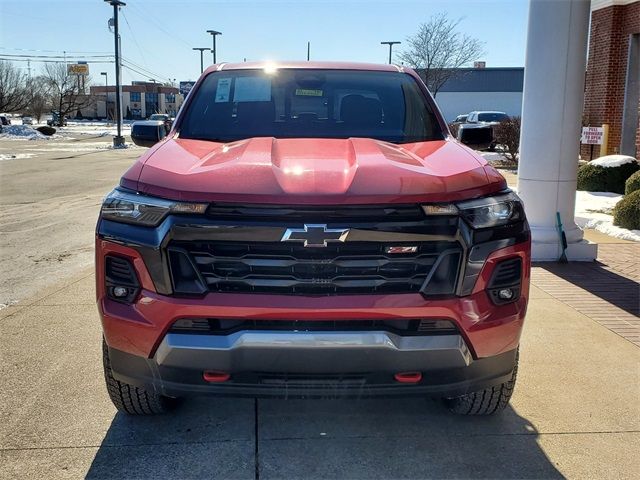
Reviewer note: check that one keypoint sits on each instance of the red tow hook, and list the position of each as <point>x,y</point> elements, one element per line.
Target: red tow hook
<point>408,377</point>
<point>215,377</point>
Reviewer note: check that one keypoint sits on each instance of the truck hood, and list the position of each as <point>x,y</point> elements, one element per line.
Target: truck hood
<point>319,171</point>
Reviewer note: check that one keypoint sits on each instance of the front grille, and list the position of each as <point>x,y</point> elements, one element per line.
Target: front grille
<point>400,326</point>
<point>292,269</point>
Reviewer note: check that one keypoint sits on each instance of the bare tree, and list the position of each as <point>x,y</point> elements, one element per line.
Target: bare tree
<point>507,134</point>
<point>39,97</point>
<point>66,94</point>
<point>439,49</point>
<point>13,92</point>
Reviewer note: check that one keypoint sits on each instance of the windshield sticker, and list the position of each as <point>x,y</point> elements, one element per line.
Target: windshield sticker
<point>306,92</point>
<point>223,89</point>
<point>252,89</point>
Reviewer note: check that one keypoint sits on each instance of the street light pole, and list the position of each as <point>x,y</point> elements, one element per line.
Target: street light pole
<point>214,33</point>
<point>391,44</point>
<point>118,140</point>
<point>202,50</point>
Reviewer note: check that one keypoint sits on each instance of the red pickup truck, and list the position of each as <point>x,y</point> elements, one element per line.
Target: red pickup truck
<point>311,230</point>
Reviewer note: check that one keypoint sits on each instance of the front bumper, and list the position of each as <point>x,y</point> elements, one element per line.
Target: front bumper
<point>312,364</point>
<point>145,352</point>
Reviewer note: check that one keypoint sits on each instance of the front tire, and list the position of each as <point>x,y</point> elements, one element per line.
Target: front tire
<point>129,398</point>
<point>489,401</point>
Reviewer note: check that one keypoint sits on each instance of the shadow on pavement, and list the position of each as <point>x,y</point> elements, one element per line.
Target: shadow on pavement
<point>598,280</point>
<point>386,438</point>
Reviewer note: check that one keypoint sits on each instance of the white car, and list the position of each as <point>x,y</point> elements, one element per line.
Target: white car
<point>27,121</point>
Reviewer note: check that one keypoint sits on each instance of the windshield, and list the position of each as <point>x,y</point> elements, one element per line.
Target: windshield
<point>492,117</point>
<point>303,103</point>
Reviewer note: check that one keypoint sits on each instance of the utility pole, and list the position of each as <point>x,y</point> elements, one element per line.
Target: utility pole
<point>214,34</point>
<point>118,140</point>
<point>391,44</point>
<point>308,51</point>
<point>202,50</point>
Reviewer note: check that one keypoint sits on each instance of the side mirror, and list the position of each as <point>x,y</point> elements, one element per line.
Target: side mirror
<point>477,137</point>
<point>147,135</point>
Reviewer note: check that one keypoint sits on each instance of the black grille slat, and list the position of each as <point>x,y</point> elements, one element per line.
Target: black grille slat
<point>120,271</point>
<point>292,269</point>
<point>319,214</point>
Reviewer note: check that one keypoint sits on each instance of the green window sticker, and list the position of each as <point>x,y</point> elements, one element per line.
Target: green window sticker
<point>307,92</point>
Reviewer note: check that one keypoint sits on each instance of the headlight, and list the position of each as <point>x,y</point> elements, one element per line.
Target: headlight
<point>131,207</point>
<point>492,211</point>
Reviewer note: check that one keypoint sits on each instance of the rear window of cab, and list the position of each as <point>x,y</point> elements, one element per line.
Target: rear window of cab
<point>309,103</point>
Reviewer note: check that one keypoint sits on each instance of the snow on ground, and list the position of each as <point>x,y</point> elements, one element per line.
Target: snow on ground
<point>76,146</point>
<point>15,156</point>
<point>612,160</point>
<point>593,210</point>
<point>100,129</point>
<point>21,132</point>
<point>493,156</point>
<point>74,129</point>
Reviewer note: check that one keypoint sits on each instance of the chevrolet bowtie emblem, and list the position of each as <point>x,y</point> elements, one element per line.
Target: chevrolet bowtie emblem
<point>315,235</point>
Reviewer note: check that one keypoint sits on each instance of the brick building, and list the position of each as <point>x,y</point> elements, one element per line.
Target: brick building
<point>612,87</point>
<point>139,100</point>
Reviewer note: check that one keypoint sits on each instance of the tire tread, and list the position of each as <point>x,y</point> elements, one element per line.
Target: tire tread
<point>129,398</point>
<point>485,402</point>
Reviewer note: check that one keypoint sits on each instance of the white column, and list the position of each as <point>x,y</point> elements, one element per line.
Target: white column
<point>551,121</point>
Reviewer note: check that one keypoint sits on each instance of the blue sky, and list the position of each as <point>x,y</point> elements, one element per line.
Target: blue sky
<point>157,35</point>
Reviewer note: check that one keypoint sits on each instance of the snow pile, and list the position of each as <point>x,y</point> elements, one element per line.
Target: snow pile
<point>609,161</point>
<point>21,132</point>
<point>593,210</point>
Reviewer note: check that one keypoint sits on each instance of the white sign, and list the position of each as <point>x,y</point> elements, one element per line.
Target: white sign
<point>252,89</point>
<point>223,90</point>
<point>592,135</point>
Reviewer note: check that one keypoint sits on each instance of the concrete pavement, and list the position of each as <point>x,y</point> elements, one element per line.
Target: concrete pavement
<point>575,413</point>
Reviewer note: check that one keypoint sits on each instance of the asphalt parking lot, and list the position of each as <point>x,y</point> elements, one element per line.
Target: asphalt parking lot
<point>575,412</point>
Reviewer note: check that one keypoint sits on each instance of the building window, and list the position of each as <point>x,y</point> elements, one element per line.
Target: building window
<point>135,97</point>
<point>170,98</point>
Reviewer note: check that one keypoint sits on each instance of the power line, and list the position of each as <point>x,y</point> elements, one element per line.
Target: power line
<point>144,71</point>
<point>48,51</point>
<point>52,56</point>
<point>134,37</point>
<point>43,60</point>
<point>148,17</point>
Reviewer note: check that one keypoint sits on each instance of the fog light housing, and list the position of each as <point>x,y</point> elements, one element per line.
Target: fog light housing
<point>121,281</point>
<point>120,292</point>
<point>506,280</point>
<point>506,293</point>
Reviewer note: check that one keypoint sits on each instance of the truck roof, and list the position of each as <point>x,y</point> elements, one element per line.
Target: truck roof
<point>306,65</point>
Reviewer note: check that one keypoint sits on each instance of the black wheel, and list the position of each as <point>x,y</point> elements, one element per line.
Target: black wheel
<point>129,398</point>
<point>485,402</point>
